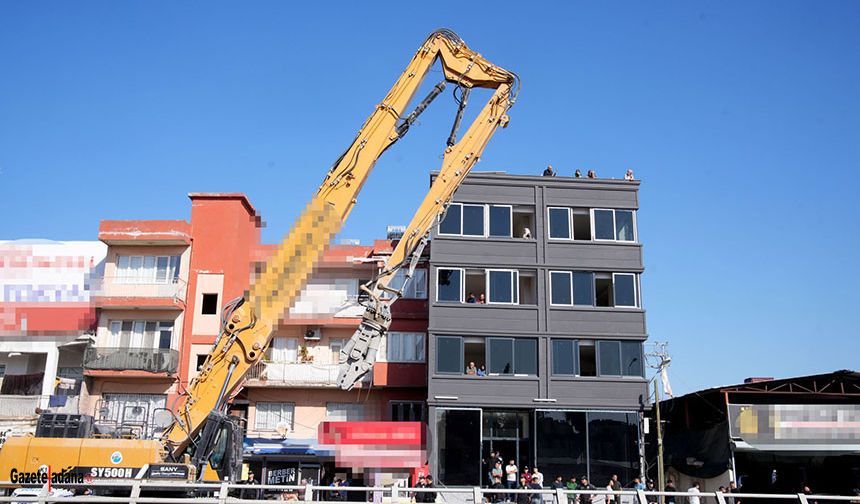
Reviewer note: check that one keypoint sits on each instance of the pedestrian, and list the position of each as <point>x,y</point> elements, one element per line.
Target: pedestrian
<point>527,474</point>
<point>334,495</point>
<point>694,499</point>
<point>651,488</point>
<point>558,484</point>
<point>608,498</point>
<point>251,493</point>
<point>537,477</point>
<point>628,175</point>
<point>511,471</point>
<point>733,488</point>
<point>571,485</point>
<point>670,487</point>
<point>429,496</point>
<point>549,172</point>
<point>489,463</point>
<point>497,472</point>
<point>537,497</point>
<point>616,486</point>
<point>523,498</point>
<point>585,498</point>
<point>422,483</point>
<point>472,370</point>
<point>497,497</point>
<point>638,485</point>
<point>592,174</point>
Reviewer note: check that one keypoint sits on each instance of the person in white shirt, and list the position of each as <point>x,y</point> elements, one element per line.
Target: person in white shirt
<point>693,499</point>
<point>512,474</point>
<point>537,476</point>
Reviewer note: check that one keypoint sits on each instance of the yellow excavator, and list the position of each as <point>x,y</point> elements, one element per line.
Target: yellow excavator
<point>200,442</point>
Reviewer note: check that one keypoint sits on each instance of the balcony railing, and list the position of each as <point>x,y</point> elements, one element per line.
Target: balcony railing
<point>295,374</point>
<point>153,360</point>
<point>121,287</point>
<point>22,406</point>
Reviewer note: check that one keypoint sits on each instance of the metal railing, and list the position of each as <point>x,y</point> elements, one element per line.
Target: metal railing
<point>154,360</point>
<point>113,286</point>
<point>23,406</point>
<point>171,492</point>
<point>295,374</point>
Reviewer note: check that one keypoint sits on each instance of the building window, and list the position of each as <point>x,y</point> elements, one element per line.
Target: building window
<point>559,223</point>
<point>416,288</point>
<point>587,363</point>
<point>209,306</point>
<point>601,358</point>
<point>500,221</point>
<point>408,411</point>
<point>509,356</point>
<point>614,225</point>
<point>561,288</point>
<point>473,220</point>
<point>335,346</point>
<point>344,412</point>
<point>404,347</point>
<point>449,285</point>
<point>274,416</point>
<point>620,358</point>
<point>452,223</point>
<point>141,334</point>
<point>616,290</point>
<point>283,349</point>
<point>624,289</point>
<point>147,269</point>
<point>449,352</point>
<point>563,357</point>
<point>502,286</point>
<point>583,288</point>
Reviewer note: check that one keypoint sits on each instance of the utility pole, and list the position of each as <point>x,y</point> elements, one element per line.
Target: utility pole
<point>663,360</point>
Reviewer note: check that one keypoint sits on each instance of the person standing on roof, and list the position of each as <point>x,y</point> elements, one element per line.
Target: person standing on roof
<point>549,172</point>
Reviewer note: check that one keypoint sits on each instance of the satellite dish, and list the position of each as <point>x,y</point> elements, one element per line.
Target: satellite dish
<point>162,418</point>
<point>283,429</point>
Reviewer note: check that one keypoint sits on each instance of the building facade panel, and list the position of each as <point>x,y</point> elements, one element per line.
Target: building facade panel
<point>595,375</point>
<point>608,257</point>
<point>593,322</point>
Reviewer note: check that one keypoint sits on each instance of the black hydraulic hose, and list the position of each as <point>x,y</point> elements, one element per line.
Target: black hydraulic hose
<point>452,138</point>
<point>403,127</point>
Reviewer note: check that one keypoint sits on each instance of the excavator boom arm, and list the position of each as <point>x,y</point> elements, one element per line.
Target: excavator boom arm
<point>247,326</point>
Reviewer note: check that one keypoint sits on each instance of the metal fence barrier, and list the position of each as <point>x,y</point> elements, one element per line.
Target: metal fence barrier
<point>152,492</point>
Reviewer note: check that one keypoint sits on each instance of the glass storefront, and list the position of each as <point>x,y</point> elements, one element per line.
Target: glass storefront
<point>458,445</point>
<point>561,443</point>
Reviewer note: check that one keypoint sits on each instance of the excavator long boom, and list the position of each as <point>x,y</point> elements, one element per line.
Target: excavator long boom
<point>247,326</point>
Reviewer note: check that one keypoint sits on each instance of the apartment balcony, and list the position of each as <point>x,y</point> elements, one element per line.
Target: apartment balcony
<point>26,406</point>
<point>116,292</point>
<point>295,374</point>
<point>114,359</point>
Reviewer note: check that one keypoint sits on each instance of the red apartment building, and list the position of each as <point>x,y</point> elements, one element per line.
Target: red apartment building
<point>158,307</point>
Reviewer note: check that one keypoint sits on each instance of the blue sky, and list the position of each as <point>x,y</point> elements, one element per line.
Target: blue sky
<point>741,118</point>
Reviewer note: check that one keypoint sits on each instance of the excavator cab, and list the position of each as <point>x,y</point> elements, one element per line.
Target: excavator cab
<point>217,451</point>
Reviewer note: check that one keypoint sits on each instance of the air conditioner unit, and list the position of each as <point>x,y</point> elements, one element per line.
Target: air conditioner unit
<point>313,334</point>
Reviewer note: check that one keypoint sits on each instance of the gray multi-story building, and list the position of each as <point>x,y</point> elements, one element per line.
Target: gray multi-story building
<point>536,329</point>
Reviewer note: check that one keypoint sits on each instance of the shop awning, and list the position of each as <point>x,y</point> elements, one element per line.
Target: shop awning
<point>266,446</point>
